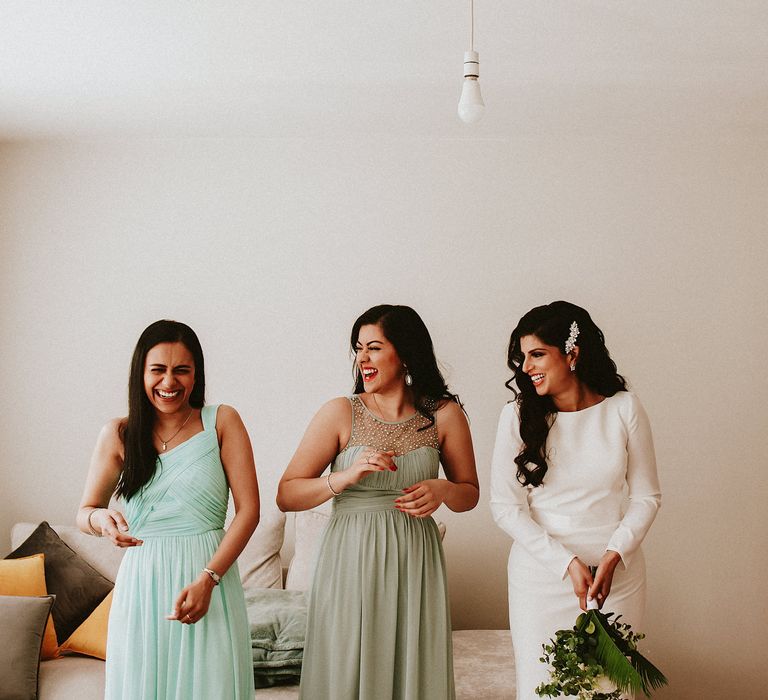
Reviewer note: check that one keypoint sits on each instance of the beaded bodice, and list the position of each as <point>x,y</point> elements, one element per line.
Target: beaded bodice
<point>401,436</point>
<point>417,458</point>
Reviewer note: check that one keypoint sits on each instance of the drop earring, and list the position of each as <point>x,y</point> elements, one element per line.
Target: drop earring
<point>408,377</point>
<point>573,366</point>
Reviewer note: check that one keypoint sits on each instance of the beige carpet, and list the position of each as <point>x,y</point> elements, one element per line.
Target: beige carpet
<point>483,665</point>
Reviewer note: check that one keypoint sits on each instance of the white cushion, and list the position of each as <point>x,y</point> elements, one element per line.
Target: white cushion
<point>309,526</point>
<point>259,562</point>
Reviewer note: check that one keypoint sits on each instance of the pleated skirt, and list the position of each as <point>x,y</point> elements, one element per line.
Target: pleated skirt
<point>151,658</point>
<point>379,619</point>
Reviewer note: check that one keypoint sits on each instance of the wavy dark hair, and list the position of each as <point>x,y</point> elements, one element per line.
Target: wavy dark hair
<point>140,453</point>
<point>403,327</point>
<point>594,368</point>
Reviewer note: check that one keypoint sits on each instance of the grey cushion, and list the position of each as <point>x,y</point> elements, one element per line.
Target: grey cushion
<point>22,623</point>
<point>78,587</point>
<point>99,552</point>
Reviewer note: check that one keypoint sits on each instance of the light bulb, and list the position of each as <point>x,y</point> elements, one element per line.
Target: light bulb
<point>471,105</point>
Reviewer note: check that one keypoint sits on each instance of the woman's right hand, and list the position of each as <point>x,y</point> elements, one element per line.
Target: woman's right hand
<point>581,579</point>
<point>113,525</point>
<point>305,483</point>
<point>369,461</point>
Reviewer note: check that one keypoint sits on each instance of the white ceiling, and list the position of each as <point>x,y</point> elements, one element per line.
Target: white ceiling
<point>337,67</point>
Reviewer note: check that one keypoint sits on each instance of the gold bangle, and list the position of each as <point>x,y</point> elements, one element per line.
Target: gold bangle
<point>328,481</point>
<point>90,525</point>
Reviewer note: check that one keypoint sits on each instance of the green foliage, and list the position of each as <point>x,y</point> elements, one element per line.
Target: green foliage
<point>597,660</point>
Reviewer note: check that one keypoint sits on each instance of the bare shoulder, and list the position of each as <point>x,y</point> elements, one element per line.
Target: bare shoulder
<point>111,434</point>
<point>449,413</point>
<point>335,411</point>
<point>229,424</point>
<point>227,415</point>
<point>109,444</point>
<point>333,420</point>
<point>333,416</point>
<point>451,421</point>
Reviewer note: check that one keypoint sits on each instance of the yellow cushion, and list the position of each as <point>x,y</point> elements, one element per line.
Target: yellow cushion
<point>26,576</point>
<point>91,637</point>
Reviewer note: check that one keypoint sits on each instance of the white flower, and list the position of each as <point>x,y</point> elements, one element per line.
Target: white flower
<point>604,684</point>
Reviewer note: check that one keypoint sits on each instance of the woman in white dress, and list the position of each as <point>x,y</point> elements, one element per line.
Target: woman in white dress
<point>573,482</point>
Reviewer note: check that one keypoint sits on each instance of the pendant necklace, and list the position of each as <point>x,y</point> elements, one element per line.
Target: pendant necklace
<point>165,442</point>
<point>378,408</point>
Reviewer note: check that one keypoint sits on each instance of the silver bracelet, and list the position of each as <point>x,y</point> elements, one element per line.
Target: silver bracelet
<point>214,576</point>
<point>90,526</point>
<point>328,481</point>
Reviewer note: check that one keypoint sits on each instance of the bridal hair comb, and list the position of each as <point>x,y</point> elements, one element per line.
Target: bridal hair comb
<point>570,342</point>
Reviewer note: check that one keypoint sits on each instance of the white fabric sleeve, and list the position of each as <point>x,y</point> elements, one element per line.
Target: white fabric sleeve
<point>642,482</point>
<point>509,502</point>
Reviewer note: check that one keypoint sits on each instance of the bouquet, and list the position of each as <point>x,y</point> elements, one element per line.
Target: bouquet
<point>597,660</point>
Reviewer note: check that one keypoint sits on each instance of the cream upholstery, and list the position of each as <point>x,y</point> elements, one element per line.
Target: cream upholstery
<point>484,669</point>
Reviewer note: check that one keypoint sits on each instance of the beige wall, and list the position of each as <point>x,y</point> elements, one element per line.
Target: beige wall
<point>270,249</point>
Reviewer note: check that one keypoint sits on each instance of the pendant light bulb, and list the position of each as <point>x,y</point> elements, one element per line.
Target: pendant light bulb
<point>471,105</point>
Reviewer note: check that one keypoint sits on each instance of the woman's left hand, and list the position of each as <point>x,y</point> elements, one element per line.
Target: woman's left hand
<point>601,584</point>
<point>423,498</point>
<point>193,601</point>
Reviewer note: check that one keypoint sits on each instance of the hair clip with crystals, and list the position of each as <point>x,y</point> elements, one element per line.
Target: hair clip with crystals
<point>570,342</point>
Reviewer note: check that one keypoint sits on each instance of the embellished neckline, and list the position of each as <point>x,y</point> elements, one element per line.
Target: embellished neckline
<point>381,420</point>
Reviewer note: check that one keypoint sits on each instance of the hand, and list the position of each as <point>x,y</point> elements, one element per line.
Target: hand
<point>368,462</point>
<point>581,578</point>
<point>423,498</point>
<point>601,586</point>
<point>112,524</point>
<point>193,601</point>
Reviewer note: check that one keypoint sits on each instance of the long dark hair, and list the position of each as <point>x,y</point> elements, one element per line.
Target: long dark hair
<point>403,327</point>
<point>140,453</point>
<point>551,324</point>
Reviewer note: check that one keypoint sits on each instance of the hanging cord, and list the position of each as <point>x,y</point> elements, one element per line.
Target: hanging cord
<point>471,25</point>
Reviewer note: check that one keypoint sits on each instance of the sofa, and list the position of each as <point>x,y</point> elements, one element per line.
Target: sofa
<point>483,665</point>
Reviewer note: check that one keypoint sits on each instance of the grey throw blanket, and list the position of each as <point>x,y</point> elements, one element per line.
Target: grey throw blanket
<point>278,621</point>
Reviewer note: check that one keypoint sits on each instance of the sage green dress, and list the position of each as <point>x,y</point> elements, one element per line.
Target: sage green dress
<point>179,515</point>
<point>379,621</point>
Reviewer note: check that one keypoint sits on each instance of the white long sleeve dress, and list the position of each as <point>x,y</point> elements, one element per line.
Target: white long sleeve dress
<point>600,492</point>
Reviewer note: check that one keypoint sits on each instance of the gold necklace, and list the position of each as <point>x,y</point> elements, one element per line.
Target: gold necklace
<point>378,408</point>
<point>165,442</point>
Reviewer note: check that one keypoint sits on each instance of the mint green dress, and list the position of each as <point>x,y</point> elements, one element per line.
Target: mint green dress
<point>179,515</point>
<point>379,621</point>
